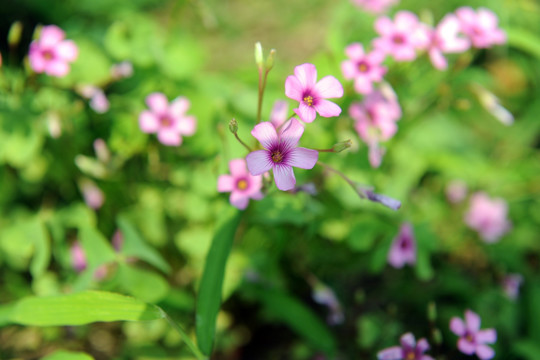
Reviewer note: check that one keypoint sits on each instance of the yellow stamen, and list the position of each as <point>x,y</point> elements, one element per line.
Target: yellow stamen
<point>411,356</point>
<point>362,67</point>
<point>242,184</point>
<point>277,157</point>
<point>308,100</point>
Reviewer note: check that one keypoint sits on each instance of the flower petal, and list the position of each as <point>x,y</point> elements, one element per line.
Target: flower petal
<point>186,125</point>
<point>67,50</point>
<point>290,134</point>
<point>305,113</point>
<point>472,320</point>
<point>303,158</point>
<point>259,162</point>
<point>278,115</point>
<point>58,68</point>
<point>157,102</point>
<point>486,336</point>
<point>355,51</point>
<point>266,134</point>
<point>238,167</point>
<point>306,75</point>
<point>384,26</point>
<point>239,200</point>
<point>284,177</point>
<point>179,106</point>
<point>407,341</point>
<point>225,183</point>
<point>148,122</point>
<point>50,36</point>
<point>422,345</point>
<point>169,137</point>
<point>327,108</point>
<point>329,87</point>
<point>484,352</point>
<point>466,346</point>
<point>457,326</point>
<point>391,353</point>
<point>293,88</point>
<point>437,59</point>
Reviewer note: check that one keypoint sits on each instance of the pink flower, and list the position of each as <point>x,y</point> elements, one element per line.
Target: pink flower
<point>375,6</point>
<point>280,153</point>
<point>121,70</point>
<point>409,350</point>
<point>364,68</point>
<point>445,39</point>
<point>52,54</point>
<point>456,191</point>
<point>481,27</point>
<point>241,184</point>
<point>472,339</point>
<point>78,257</point>
<point>279,115</point>
<point>403,248</point>
<point>488,217</point>
<point>402,37</point>
<point>511,284</point>
<point>304,88</point>
<point>169,121</point>
<point>98,100</point>
<point>93,196</point>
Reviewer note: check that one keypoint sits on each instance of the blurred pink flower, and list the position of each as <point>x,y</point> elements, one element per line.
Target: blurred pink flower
<point>98,101</point>
<point>78,257</point>
<point>118,240</point>
<point>121,70</point>
<point>511,284</point>
<point>481,27</point>
<point>324,295</point>
<point>52,54</point>
<point>403,248</point>
<point>93,196</point>
<point>102,150</point>
<point>169,121</point>
<point>279,115</point>
<point>304,88</point>
<point>409,349</point>
<point>241,184</point>
<point>375,6</point>
<point>488,217</point>
<point>402,37</point>
<point>471,338</point>
<point>280,153</point>
<point>456,191</point>
<point>445,39</point>
<point>364,68</point>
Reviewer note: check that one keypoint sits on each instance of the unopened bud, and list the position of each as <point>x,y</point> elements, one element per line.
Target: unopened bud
<point>259,60</point>
<point>342,145</point>
<point>432,312</point>
<point>270,60</point>
<point>383,199</point>
<point>15,32</point>
<point>437,336</point>
<point>233,126</point>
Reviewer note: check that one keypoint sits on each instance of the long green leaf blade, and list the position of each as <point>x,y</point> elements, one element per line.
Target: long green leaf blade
<point>209,299</point>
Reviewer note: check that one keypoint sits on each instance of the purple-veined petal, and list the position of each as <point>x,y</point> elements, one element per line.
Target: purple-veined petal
<point>407,341</point>
<point>326,108</point>
<point>466,346</point>
<point>306,75</point>
<point>148,122</point>
<point>486,336</point>
<point>50,36</point>
<point>278,115</point>
<point>391,353</point>
<point>293,88</point>
<point>266,134</point>
<point>239,200</point>
<point>329,87</point>
<point>157,102</point>
<point>238,167</point>
<point>290,133</point>
<point>259,162</point>
<point>457,326</point>
<point>284,177</point>
<point>303,158</point>
<point>305,113</point>
<point>179,106</point>
<point>484,352</point>
<point>169,137</point>
<point>225,183</point>
<point>186,125</point>
<point>57,68</point>
<point>472,321</point>
<point>67,50</point>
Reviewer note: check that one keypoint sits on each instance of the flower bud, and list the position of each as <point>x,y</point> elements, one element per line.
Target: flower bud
<point>342,145</point>
<point>259,60</point>
<point>432,312</point>
<point>270,60</point>
<point>15,32</point>
<point>233,126</point>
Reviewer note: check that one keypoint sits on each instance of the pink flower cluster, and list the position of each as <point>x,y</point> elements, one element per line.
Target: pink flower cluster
<point>471,339</point>
<point>409,349</point>
<point>51,53</point>
<point>488,217</point>
<point>375,6</point>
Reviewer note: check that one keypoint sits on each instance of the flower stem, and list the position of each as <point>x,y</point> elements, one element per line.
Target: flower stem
<point>241,142</point>
<point>349,181</point>
<point>262,86</point>
<point>184,336</point>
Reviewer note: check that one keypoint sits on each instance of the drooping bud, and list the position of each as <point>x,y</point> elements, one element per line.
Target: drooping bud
<point>259,59</point>
<point>270,60</point>
<point>382,199</point>
<point>233,126</point>
<point>15,32</point>
<point>342,145</point>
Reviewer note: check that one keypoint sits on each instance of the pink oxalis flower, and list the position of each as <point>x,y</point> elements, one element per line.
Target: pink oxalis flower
<point>364,68</point>
<point>456,191</point>
<point>51,54</point>
<point>471,338</point>
<point>280,153</point>
<point>312,94</point>
<point>241,184</point>
<point>445,39</point>
<point>375,6</point>
<point>511,284</point>
<point>488,217</point>
<point>169,121</point>
<point>92,194</point>
<point>409,350</point>
<point>402,37</point>
<point>481,27</point>
<point>279,114</point>
<point>78,257</point>
<point>403,248</point>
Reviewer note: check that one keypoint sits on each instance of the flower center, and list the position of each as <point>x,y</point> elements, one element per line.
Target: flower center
<point>469,338</point>
<point>398,39</point>
<point>308,100</point>
<point>410,356</point>
<point>404,244</point>
<point>362,67</point>
<point>277,156</point>
<point>242,184</point>
<point>48,55</point>
<point>165,121</point>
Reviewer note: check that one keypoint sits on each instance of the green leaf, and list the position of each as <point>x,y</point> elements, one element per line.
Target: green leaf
<point>67,355</point>
<point>134,245</point>
<point>210,290</point>
<point>142,284</point>
<point>524,40</point>
<point>81,308</point>
<point>97,249</point>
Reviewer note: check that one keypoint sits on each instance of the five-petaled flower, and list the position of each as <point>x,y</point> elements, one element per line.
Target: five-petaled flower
<point>445,38</point>
<point>471,338</point>
<point>304,88</point>
<point>364,68</point>
<point>409,349</point>
<point>488,217</point>
<point>169,121</point>
<point>481,27</point>
<point>280,153</point>
<point>51,53</point>
<point>403,248</point>
<point>241,184</point>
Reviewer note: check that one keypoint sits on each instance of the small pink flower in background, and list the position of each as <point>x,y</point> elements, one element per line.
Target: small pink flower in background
<point>78,257</point>
<point>98,101</point>
<point>511,284</point>
<point>280,153</point>
<point>169,121</point>
<point>364,68</point>
<point>121,70</point>
<point>118,240</point>
<point>488,217</point>
<point>52,54</point>
<point>456,191</point>
<point>375,6</point>
<point>403,248</point>
<point>324,295</point>
<point>312,94</point>
<point>93,196</point>
<point>471,338</point>
<point>279,114</point>
<point>445,39</point>
<point>241,184</point>
<point>402,37</point>
<point>102,151</point>
<point>481,27</point>
<point>409,349</point>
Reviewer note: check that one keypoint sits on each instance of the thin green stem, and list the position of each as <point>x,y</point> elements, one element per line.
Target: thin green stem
<point>241,142</point>
<point>349,181</point>
<point>184,336</point>
<point>262,86</point>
